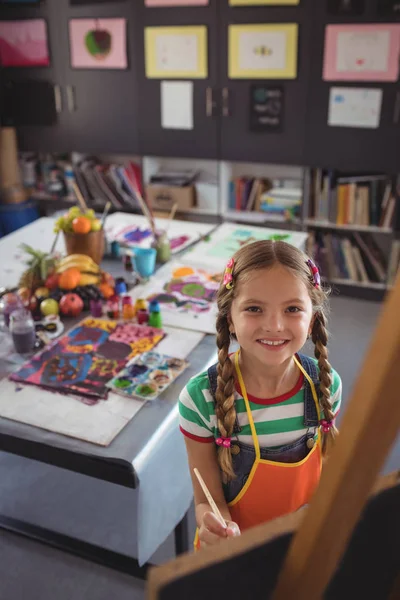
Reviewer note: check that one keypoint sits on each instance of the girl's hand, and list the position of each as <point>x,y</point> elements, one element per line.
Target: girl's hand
<point>211,531</point>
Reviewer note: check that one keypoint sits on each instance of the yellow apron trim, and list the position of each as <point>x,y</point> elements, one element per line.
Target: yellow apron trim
<point>247,484</point>
<point>248,409</point>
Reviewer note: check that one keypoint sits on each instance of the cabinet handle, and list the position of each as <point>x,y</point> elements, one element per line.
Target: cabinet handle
<point>57,98</point>
<point>71,98</point>
<point>225,102</point>
<point>210,102</point>
<point>396,112</point>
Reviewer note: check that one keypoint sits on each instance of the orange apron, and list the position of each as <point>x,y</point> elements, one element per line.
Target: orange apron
<point>273,488</point>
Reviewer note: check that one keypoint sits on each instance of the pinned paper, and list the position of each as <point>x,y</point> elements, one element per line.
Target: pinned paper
<point>362,52</point>
<point>355,107</point>
<point>263,51</point>
<point>177,104</point>
<point>176,52</point>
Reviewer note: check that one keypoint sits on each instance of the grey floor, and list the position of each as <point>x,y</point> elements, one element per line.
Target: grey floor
<point>99,512</point>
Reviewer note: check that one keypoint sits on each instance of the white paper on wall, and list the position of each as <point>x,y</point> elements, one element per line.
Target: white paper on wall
<point>363,51</point>
<point>262,50</point>
<point>355,107</point>
<point>177,53</point>
<point>177,104</point>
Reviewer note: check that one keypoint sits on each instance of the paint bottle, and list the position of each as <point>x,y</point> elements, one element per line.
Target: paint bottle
<point>140,305</point>
<point>128,310</point>
<point>120,286</point>
<point>155,319</point>
<point>142,316</point>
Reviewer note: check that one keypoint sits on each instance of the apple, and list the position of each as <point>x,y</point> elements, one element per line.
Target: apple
<point>49,307</point>
<point>98,43</point>
<point>52,281</point>
<point>71,305</point>
<point>96,225</point>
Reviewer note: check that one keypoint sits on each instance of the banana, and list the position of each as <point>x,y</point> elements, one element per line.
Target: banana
<point>89,279</point>
<point>79,261</point>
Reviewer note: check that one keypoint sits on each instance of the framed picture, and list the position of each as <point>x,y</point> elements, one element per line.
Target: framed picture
<point>166,3</point>
<point>263,2</point>
<point>388,8</point>
<point>345,7</point>
<point>361,52</point>
<point>176,52</point>
<point>24,43</point>
<point>83,2</point>
<point>263,51</point>
<point>98,43</point>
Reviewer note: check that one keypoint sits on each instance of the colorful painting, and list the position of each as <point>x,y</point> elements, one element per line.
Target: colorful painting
<point>87,357</point>
<point>228,238</point>
<point>362,52</point>
<point>186,294</point>
<point>24,43</point>
<point>98,43</point>
<point>147,376</point>
<point>263,51</point>
<point>176,52</point>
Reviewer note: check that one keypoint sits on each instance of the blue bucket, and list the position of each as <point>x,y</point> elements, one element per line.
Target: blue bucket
<point>14,216</point>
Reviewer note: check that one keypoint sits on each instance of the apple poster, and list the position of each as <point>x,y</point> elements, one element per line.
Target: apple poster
<point>98,43</point>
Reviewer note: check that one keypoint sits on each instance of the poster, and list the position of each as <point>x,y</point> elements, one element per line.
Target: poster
<point>346,7</point>
<point>266,107</point>
<point>388,7</point>
<point>230,237</point>
<point>362,52</point>
<point>176,52</point>
<point>186,295</point>
<point>88,356</point>
<point>263,2</point>
<point>98,43</point>
<point>263,51</point>
<point>354,107</point>
<point>177,105</point>
<point>165,3</point>
<point>24,43</point>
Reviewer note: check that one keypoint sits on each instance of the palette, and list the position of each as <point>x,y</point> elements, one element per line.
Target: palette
<point>147,376</point>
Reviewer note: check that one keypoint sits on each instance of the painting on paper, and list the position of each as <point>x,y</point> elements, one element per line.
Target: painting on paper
<point>176,52</point>
<point>355,107</point>
<point>24,43</point>
<point>85,359</point>
<point>362,52</point>
<point>165,3</point>
<point>186,294</point>
<point>263,51</point>
<point>98,43</point>
<point>147,376</point>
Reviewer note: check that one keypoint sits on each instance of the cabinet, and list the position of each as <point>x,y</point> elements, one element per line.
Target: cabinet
<point>348,148</point>
<point>202,140</point>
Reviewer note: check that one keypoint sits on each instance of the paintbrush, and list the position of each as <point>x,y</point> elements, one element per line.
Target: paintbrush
<point>210,499</point>
<point>171,215</point>
<point>79,197</point>
<point>105,213</point>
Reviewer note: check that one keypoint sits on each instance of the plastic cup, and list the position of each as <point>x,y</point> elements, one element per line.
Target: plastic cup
<point>144,260</point>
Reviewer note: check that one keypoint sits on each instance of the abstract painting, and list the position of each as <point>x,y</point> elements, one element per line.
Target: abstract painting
<point>147,376</point>
<point>186,294</point>
<point>362,52</point>
<point>24,43</point>
<point>266,51</point>
<point>87,357</point>
<point>98,43</point>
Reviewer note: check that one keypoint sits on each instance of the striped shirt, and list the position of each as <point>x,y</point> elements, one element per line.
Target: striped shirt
<point>278,421</point>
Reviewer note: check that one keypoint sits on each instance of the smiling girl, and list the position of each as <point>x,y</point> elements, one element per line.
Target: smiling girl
<point>257,423</point>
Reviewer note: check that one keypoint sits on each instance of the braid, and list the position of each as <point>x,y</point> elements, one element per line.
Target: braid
<point>320,339</point>
<point>225,403</point>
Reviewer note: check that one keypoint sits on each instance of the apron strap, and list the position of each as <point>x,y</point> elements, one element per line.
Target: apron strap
<point>312,386</point>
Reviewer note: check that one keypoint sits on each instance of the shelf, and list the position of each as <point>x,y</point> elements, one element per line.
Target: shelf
<point>257,217</point>
<point>359,284</point>
<point>329,225</point>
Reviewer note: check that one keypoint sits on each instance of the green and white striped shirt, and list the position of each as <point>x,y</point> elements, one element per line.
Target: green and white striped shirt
<point>278,421</point>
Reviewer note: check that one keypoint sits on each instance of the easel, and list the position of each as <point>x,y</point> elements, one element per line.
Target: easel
<point>310,554</point>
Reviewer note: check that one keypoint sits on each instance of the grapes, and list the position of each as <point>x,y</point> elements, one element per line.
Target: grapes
<point>64,223</point>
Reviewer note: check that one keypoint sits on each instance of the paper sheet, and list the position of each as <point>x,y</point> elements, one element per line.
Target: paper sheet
<point>177,104</point>
<point>176,52</point>
<point>354,107</point>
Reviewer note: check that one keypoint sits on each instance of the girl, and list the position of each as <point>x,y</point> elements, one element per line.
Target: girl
<point>258,422</point>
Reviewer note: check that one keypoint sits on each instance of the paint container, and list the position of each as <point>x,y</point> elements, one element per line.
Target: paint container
<point>128,310</point>
<point>162,246</point>
<point>96,308</point>
<point>144,261</point>
<point>142,317</point>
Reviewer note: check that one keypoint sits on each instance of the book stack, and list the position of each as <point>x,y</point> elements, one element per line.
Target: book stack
<point>356,258</point>
<point>262,195</point>
<point>363,201</point>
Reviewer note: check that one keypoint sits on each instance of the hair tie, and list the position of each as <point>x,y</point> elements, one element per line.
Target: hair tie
<point>315,273</point>
<point>326,425</point>
<point>223,441</point>
<point>228,277</point>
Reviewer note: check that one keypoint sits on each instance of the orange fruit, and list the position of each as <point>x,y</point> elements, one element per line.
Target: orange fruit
<point>69,279</point>
<point>81,225</point>
<point>106,290</point>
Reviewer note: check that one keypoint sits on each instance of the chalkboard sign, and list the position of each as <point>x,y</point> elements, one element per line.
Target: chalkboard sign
<point>266,107</point>
<point>346,7</point>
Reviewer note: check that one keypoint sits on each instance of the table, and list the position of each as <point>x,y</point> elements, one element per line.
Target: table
<point>131,460</point>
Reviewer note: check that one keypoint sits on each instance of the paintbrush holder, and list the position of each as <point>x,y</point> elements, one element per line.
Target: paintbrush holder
<point>91,244</point>
<point>162,246</point>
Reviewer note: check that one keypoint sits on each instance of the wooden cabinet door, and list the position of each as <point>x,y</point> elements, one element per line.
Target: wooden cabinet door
<point>343,147</point>
<point>101,102</point>
<point>239,140</point>
<point>200,139</point>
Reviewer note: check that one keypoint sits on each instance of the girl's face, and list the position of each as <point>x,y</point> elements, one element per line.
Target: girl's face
<point>271,315</point>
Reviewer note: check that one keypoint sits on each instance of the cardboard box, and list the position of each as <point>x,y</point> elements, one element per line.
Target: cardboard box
<point>163,197</point>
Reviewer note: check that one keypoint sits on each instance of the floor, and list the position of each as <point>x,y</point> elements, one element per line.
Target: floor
<point>75,504</point>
